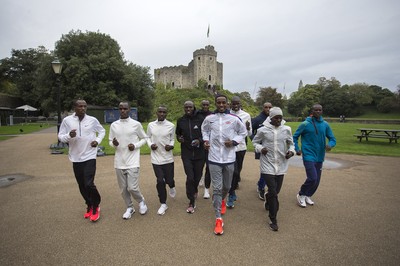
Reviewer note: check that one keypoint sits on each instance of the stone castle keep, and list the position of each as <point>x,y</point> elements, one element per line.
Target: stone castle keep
<point>204,65</point>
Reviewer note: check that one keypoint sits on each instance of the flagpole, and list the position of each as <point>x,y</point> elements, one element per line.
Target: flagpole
<point>208,33</point>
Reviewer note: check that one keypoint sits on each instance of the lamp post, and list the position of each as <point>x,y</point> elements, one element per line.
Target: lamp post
<point>57,67</point>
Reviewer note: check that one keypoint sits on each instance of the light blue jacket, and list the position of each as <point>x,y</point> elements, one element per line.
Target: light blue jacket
<point>314,133</point>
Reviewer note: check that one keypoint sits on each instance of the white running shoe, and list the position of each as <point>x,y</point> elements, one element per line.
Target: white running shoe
<point>128,214</point>
<point>142,207</point>
<point>301,200</point>
<point>309,201</point>
<point>172,192</point>
<point>163,208</point>
<point>206,193</point>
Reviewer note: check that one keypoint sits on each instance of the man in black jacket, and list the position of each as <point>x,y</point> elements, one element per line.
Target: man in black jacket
<point>188,133</point>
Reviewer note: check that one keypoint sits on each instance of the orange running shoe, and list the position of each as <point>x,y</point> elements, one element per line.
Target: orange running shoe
<point>88,213</point>
<point>219,226</point>
<point>223,207</point>
<point>95,214</point>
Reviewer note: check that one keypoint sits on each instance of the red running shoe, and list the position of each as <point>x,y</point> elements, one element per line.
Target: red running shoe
<point>95,214</point>
<point>88,212</point>
<point>223,207</point>
<point>219,226</point>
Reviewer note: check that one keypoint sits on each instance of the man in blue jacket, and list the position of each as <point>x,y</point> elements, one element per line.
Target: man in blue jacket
<point>313,131</point>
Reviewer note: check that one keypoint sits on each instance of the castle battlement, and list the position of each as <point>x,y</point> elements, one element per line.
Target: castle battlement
<point>208,50</point>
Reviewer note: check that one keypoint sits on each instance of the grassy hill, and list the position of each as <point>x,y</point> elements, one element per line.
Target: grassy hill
<point>175,98</point>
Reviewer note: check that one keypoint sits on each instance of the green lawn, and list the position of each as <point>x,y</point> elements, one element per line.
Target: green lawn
<point>346,142</point>
<point>23,128</point>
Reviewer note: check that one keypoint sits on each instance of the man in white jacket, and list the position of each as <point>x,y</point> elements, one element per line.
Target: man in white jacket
<point>222,132</point>
<point>127,136</point>
<point>275,143</point>
<point>83,133</point>
<point>161,140</point>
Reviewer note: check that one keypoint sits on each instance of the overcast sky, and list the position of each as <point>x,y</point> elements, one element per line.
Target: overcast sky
<point>260,42</point>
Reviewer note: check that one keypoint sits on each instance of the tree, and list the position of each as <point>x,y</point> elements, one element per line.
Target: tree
<point>301,101</point>
<point>336,101</point>
<point>386,105</point>
<point>137,87</point>
<point>245,96</point>
<point>271,95</point>
<point>94,69</point>
<point>19,72</point>
<point>361,94</point>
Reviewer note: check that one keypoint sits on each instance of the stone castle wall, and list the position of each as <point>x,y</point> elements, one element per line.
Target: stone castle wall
<point>204,65</point>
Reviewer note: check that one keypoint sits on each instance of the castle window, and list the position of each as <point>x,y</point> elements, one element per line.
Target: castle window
<point>198,57</point>
<point>211,58</point>
<point>209,77</point>
<point>173,84</point>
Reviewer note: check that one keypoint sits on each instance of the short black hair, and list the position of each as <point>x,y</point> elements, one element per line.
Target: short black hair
<point>221,95</point>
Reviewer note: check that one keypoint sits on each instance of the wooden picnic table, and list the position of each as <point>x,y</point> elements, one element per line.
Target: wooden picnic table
<point>390,134</point>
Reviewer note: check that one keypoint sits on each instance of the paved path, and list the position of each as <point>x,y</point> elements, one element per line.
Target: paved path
<point>356,219</point>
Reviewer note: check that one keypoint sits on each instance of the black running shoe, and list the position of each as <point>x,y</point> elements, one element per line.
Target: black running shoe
<point>273,227</point>
<point>261,194</point>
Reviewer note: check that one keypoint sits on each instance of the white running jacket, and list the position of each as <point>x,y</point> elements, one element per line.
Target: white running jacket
<point>218,128</point>
<point>87,130</point>
<point>278,141</point>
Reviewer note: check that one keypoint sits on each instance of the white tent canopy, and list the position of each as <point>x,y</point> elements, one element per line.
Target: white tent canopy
<point>26,108</point>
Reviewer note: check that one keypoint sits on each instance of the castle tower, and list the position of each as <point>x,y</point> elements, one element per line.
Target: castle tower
<point>203,66</point>
<point>206,66</point>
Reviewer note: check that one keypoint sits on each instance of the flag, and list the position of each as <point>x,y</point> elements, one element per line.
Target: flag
<point>208,31</point>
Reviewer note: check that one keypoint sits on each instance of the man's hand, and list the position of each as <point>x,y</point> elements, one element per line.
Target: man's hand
<point>289,154</point>
<point>195,143</point>
<point>328,148</point>
<point>206,145</point>
<point>154,147</point>
<point>181,139</point>
<point>115,142</point>
<point>168,147</point>
<point>264,151</point>
<point>247,125</point>
<point>298,152</point>
<point>228,143</point>
<point>94,143</point>
<point>131,147</point>
<point>72,133</point>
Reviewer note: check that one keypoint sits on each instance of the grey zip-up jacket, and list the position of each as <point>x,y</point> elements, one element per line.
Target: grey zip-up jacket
<point>278,141</point>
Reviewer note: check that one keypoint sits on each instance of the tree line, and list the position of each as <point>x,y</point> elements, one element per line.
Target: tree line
<point>337,99</point>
